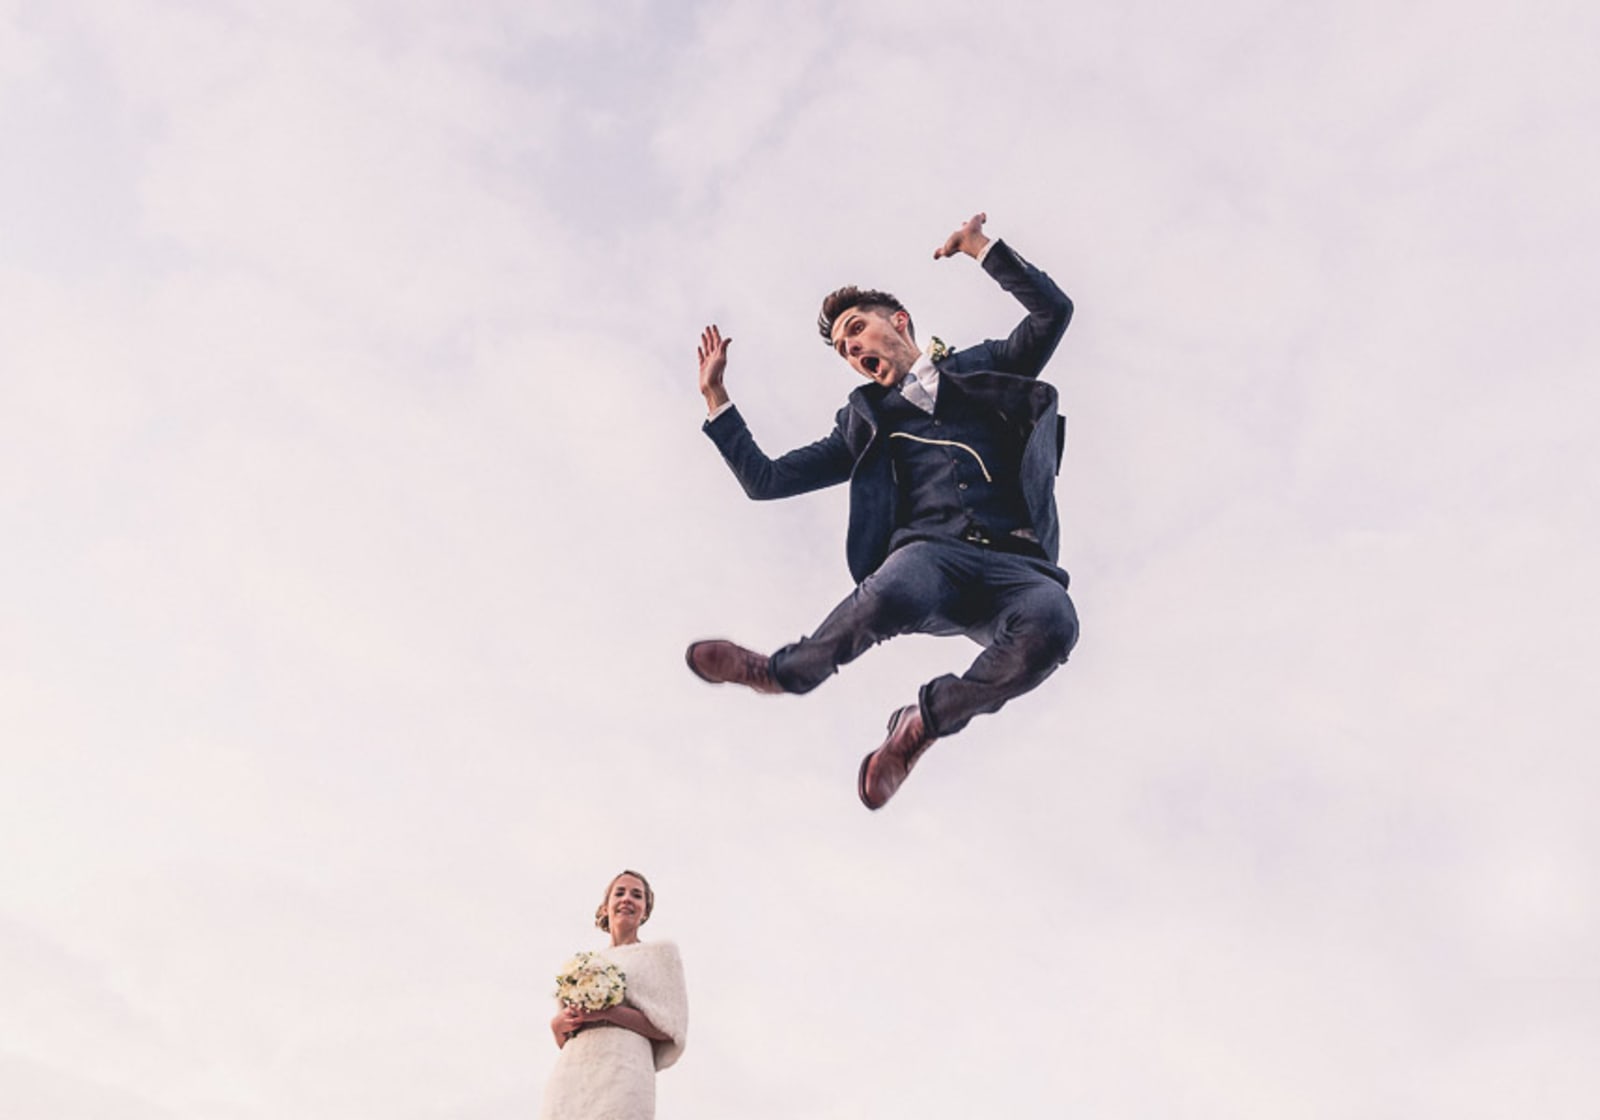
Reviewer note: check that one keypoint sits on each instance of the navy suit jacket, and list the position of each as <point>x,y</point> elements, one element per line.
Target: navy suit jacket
<point>1000,374</point>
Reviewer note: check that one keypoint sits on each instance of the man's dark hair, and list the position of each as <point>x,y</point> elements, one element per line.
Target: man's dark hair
<point>843,299</point>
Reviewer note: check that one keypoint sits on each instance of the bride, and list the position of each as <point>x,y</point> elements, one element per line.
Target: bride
<point>607,1066</point>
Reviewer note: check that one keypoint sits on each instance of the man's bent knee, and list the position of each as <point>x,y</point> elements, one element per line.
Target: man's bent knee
<point>1053,634</point>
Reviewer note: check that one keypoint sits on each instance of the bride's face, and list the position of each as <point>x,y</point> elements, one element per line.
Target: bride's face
<point>625,904</point>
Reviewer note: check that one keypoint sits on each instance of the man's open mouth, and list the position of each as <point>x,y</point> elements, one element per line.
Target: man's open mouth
<point>870,364</point>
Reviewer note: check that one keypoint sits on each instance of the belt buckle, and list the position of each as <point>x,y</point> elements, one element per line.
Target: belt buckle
<point>974,534</point>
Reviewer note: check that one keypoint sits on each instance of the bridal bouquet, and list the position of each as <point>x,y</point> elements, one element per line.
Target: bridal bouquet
<point>590,982</point>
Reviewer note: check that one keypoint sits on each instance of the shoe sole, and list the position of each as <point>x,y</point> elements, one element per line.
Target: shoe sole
<point>861,783</point>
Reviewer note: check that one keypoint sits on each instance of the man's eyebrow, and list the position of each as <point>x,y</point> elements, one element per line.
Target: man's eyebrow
<point>838,329</point>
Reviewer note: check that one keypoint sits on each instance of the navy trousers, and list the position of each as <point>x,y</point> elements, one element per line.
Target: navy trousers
<point>1016,607</point>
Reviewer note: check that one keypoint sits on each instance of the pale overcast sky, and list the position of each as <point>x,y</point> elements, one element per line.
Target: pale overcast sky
<point>356,515</point>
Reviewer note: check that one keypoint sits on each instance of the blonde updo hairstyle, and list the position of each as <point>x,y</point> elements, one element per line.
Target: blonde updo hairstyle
<point>604,922</point>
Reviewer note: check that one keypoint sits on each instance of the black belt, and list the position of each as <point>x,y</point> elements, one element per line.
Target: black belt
<point>1017,546</point>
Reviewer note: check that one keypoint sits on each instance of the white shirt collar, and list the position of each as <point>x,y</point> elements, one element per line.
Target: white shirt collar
<point>920,385</point>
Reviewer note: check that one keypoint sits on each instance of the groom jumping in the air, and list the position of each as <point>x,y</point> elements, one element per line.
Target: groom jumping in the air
<point>951,458</point>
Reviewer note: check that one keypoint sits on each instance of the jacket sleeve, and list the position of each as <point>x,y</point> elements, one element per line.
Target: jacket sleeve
<point>1049,311</point>
<point>827,462</point>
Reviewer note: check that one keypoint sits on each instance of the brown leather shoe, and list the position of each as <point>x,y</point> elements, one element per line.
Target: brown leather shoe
<point>725,663</point>
<point>883,771</point>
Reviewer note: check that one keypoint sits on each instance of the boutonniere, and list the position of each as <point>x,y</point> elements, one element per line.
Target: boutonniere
<point>938,351</point>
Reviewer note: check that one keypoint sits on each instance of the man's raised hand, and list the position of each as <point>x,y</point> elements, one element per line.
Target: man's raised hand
<point>968,238</point>
<point>713,352</point>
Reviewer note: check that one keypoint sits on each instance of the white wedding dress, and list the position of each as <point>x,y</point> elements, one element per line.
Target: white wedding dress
<point>609,1073</point>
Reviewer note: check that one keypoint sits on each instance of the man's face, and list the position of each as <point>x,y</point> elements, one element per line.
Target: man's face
<point>876,342</point>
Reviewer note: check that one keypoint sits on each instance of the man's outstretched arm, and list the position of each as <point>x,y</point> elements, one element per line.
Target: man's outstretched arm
<point>1049,310</point>
<point>826,462</point>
